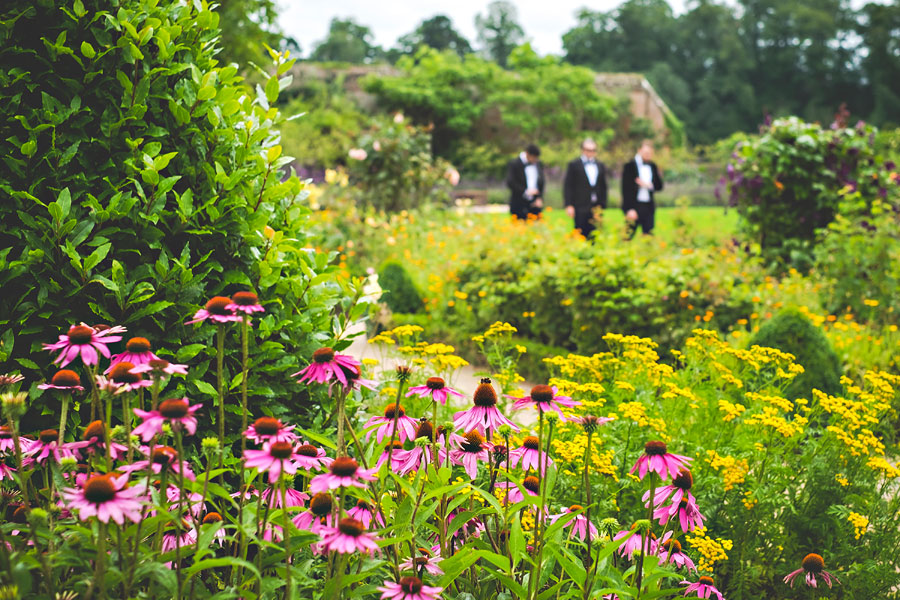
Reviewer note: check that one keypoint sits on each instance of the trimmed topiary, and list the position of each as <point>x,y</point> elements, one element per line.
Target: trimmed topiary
<point>400,293</point>
<point>792,331</point>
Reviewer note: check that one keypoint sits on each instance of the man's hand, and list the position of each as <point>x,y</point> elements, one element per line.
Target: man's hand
<point>538,203</point>
<point>570,210</point>
<point>533,192</point>
<point>643,184</point>
<point>631,215</point>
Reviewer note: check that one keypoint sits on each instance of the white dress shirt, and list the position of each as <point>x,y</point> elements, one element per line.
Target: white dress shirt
<point>645,173</point>
<point>591,170</point>
<point>531,175</point>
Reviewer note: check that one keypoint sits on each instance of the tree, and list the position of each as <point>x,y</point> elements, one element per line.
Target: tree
<point>880,32</point>
<point>347,41</point>
<point>436,32</point>
<point>247,26</point>
<point>499,31</point>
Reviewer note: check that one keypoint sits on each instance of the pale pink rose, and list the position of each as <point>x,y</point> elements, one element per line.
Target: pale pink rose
<point>377,146</point>
<point>398,118</point>
<point>452,176</point>
<point>357,154</point>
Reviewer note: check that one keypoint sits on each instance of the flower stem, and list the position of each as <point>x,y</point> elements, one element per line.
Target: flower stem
<point>341,417</point>
<point>100,571</point>
<point>588,455</point>
<point>286,524</point>
<point>220,381</point>
<point>244,353</point>
<point>62,417</point>
<point>540,542</point>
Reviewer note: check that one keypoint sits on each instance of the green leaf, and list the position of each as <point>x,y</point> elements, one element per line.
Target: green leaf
<point>186,353</point>
<point>273,153</point>
<point>28,148</point>
<point>87,50</point>
<point>206,93</point>
<point>206,388</point>
<point>272,89</point>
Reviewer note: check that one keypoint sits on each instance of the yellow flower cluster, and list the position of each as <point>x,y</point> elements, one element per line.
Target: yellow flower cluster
<point>879,463</point>
<point>748,500</point>
<point>776,401</point>
<point>731,410</point>
<point>859,522</point>
<point>589,394</point>
<point>711,550</point>
<point>499,328</point>
<point>637,412</point>
<point>770,418</point>
<point>733,470</point>
<point>673,391</point>
<point>571,451</point>
<point>842,479</point>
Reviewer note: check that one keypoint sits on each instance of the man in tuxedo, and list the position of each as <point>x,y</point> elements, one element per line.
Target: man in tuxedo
<point>525,180</point>
<point>584,187</point>
<point>640,179</point>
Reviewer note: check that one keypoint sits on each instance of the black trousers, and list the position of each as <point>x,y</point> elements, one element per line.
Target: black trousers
<point>584,222</point>
<point>646,218</point>
<point>522,210</point>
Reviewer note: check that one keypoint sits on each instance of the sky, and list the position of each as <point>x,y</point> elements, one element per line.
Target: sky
<point>544,21</point>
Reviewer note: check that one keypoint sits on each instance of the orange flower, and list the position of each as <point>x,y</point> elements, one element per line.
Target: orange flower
<point>779,185</point>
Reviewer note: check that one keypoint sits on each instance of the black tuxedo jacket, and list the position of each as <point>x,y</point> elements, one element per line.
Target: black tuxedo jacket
<point>517,183</point>
<point>630,188</point>
<point>577,190</point>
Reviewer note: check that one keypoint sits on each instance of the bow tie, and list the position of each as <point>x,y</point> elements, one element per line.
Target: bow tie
<point>590,162</point>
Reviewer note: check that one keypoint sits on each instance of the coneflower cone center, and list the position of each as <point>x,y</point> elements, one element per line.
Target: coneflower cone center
<point>532,484</point>
<point>80,335</point>
<point>344,466</point>
<point>473,442</point>
<point>173,409</point>
<point>435,383</point>
<point>410,585</point>
<point>655,448</point>
<point>307,450</point>
<point>485,395</point>
<point>66,378</point>
<point>281,450</point>
<point>121,373</point>
<point>164,455</point>
<point>217,305</point>
<point>705,580</point>
<point>138,345</point>
<point>245,299</point>
<point>575,508</point>
<point>542,393</point>
<point>5,432</point>
<point>684,480</point>
<point>393,410</point>
<point>425,430</point>
<point>813,563</point>
<point>48,436</point>
<point>99,489</point>
<point>363,505</point>
<point>158,364</point>
<point>212,517</point>
<point>321,504</point>
<point>531,442</point>
<point>351,527</point>
<point>323,355</point>
<point>267,426</point>
<point>94,429</point>
<point>672,545</point>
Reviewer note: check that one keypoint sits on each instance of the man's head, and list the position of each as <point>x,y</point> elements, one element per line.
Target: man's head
<point>589,148</point>
<point>646,150</point>
<point>532,153</point>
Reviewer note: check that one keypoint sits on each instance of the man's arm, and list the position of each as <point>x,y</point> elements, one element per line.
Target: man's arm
<point>602,191</point>
<point>657,178</point>
<point>513,182</point>
<point>541,181</point>
<point>629,187</point>
<point>569,186</point>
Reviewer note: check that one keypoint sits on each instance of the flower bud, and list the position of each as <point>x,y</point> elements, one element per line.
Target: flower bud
<point>38,517</point>
<point>422,442</point>
<point>68,464</point>
<point>552,417</point>
<point>14,404</point>
<point>504,430</point>
<point>210,446</point>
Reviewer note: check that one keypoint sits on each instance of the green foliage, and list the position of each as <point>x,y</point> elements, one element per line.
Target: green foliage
<point>347,41</point>
<point>437,33</point>
<point>400,293</point>
<point>499,31</point>
<point>791,331</point>
<point>247,26</point>
<point>142,178</point>
<point>786,183</point>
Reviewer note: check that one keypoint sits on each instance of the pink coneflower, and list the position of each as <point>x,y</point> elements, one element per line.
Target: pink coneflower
<point>472,448</point>
<point>364,513</point>
<point>688,514</point>
<point>436,389</point>
<point>395,452</point>
<point>108,386</point>
<point>406,426</point>
<point>137,352</point>
<point>343,472</point>
<point>272,497</point>
<point>269,429</point>
<point>590,422</point>
<point>579,525</point>
<point>409,588</point>
<point>812,565</point>
<point>528,454</point>
<point>483,416</point>
<point>245,302</point>
<point>311,457</point>
<point>121,374</point>
<point>216,310</point>
<point>349,536</point>
<point>705,588</point>
<point>8,444</point>
<point>159,367</point>
<point>328,366</point>
<point>6,472</point>
<point>177,412</point>
<point>106,497</point>
<point>657,459</point>
<point>212,519</point>
<point>47,447</point>
<point>678,489</point>
<point>670,551</point>
<point>84,341</point>
<point>191,500</point>
<point>162,458</point>
<point>94,435</point>
<point>318,515</point>
<point>531,484</point>
<point>423,563</point>
<point>8,379</point>
<point>183,537</point>
<point>633,543</point>
<point>418,457</point>
<point>65,380</point>
<point>544,398</point>
<point>274,458</point>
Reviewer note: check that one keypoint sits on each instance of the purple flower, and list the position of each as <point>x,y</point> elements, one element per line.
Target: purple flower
<point>106,497</point>
<point>657,459</point>
<point>409,588</point>
<point>544,398</point>
<point>245,302</point>
<point>528,454</point>
<point>531,484</point>
<point>579,526</point>
<point>343,472</point>
<point>812,565</point>
<point>216,310</point>
<point>670,552</point>
<point>435,389</point>
<point>65,380</point>
<point>318,515</point>
<point>137,352</point>
<point>483,416</point>
<point>159,367</point>
<point>349,536</point>
<point>269,429</point>
<point>274,458</point>
<point>406,426</point>
<point>86,342</point>
<point>471,449</point>
<point>327,366</point>
<point>688,514</point>
<point>363,513</point>
<point>705,588</point>
<point>177,412</point>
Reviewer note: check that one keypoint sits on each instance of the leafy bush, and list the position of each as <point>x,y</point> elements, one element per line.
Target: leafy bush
<point>400,293</point>
<point>141,178</point>
<point>791,331</point>
<point>785,182</point>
